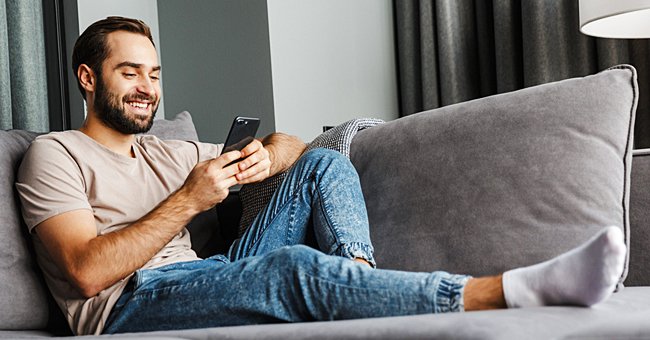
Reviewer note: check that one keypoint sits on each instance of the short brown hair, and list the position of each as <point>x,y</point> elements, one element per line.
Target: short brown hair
<point>91,48</point>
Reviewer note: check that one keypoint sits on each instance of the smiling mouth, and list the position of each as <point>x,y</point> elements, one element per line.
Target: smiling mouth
<point>139,105</point>
<point>143,110</point>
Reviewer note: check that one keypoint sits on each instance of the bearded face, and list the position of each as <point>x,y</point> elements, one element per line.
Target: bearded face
<point>118,113</point>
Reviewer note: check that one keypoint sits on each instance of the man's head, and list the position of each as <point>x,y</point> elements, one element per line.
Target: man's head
<point>117,69</point>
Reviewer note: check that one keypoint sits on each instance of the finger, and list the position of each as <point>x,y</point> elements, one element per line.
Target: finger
<point>227,158</point>
<point>230,170</point>
<point>250,161</point>
<point>256,178</point>
<point>259,156</point>
<point>251,148</point>
<point>261,167</point>
<point>230,182</point>
<point>221,171</point>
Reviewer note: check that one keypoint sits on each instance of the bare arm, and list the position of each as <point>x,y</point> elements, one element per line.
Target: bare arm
<point>94,262</point>
<point>284,151</point>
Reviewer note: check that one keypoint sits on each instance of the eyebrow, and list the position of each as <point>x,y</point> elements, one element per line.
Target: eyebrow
<point>135,65</point>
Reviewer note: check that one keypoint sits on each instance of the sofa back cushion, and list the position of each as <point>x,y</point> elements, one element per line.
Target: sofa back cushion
<point>639,274</point>
<point>503,181</point>
<point>23,296</point>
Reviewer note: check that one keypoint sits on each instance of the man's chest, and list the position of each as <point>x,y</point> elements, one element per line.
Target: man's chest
<point>123,195</point>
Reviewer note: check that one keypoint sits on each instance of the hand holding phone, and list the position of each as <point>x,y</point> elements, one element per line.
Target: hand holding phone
<point>241,133</point>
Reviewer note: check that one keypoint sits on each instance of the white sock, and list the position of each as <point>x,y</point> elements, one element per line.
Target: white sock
<point>582,276</point>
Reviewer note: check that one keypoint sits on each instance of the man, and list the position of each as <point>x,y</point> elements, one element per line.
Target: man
<point>107,211</point>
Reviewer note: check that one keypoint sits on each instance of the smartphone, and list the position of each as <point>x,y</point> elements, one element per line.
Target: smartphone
<point>241,133</point>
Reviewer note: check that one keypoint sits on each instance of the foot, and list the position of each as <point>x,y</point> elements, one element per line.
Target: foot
<point>583,276</point>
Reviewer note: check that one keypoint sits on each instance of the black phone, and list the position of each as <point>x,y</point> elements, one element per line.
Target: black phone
<point>242,132</point>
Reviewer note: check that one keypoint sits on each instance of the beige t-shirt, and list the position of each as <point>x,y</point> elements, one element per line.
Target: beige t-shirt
<point>66,171</point>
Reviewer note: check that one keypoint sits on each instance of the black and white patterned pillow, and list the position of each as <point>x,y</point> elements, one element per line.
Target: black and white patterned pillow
<point>254,197</point>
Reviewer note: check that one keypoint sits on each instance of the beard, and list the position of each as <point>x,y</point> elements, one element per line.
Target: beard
<point>110,110</point>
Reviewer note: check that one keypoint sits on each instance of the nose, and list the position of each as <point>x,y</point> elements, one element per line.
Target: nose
<point>147,87</point>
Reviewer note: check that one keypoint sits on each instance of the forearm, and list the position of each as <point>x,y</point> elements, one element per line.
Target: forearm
<point>284,150</point>
<point>94,262</point>
<point>113,256</point>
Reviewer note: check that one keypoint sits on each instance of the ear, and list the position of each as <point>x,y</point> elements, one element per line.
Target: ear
<point>87,78</point>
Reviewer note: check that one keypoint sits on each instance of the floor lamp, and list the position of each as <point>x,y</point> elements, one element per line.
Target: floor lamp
<point>619,19</point>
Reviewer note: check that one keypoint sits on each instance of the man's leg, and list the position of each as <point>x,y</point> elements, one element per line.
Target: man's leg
<point>298,283</point>
<point>319,204</point>
<point>289,284</point>
<point>583,276</point>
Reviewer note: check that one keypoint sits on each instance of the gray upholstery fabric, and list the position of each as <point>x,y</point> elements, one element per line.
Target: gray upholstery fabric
<point>624,316</point>
<point>639,273</point>
<point>23,296</point>
<point>24,334</point>
<point>180,127</point>
<point>503,181</point>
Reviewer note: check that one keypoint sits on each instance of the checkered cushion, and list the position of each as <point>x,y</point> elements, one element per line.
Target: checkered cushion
<point>254,197</point>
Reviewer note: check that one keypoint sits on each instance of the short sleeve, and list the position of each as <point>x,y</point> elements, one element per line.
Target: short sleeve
<point>208,151</point>
<point>49,183</point>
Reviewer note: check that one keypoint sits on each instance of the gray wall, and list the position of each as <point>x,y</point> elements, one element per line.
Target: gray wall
<point>333,60</point>
<point>216,63</point>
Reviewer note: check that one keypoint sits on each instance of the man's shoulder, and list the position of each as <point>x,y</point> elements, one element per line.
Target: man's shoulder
<point>55,145</point>
<point>153,144</point>
<point>49,141</point>
<point>57,139</point>
<point>52,148</point>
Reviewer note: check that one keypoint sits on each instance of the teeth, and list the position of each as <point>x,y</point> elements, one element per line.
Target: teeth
<point>139,105</point>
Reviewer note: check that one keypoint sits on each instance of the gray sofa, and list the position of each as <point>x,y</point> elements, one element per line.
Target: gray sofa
<point>478,187</point>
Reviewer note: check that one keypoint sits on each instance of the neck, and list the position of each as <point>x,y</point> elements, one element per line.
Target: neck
<point>106,136</point>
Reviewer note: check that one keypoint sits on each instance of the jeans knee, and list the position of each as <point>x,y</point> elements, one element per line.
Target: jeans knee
<point>297,259</point>
<point>321,159</point>
<point>295,253</point>
<point>324,154</point>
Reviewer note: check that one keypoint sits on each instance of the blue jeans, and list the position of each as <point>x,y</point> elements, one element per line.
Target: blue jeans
<point>293,264</point>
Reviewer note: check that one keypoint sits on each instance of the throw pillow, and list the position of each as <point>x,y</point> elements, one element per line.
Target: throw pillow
<point>180,127</point>
<point>503,181</point>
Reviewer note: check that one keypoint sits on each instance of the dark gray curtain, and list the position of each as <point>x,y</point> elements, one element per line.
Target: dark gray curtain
<point>451,51</point>
<point>23,78</point>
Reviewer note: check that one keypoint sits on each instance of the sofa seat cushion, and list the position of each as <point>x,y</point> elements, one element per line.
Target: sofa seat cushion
<point>504,181</point>
<point>623,316</point>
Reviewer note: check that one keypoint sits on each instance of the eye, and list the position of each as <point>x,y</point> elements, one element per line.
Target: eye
<point>154,77</point>
<point>128,75</point>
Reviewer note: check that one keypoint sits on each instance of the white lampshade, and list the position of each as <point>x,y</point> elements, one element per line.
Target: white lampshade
<point>615,18</point>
